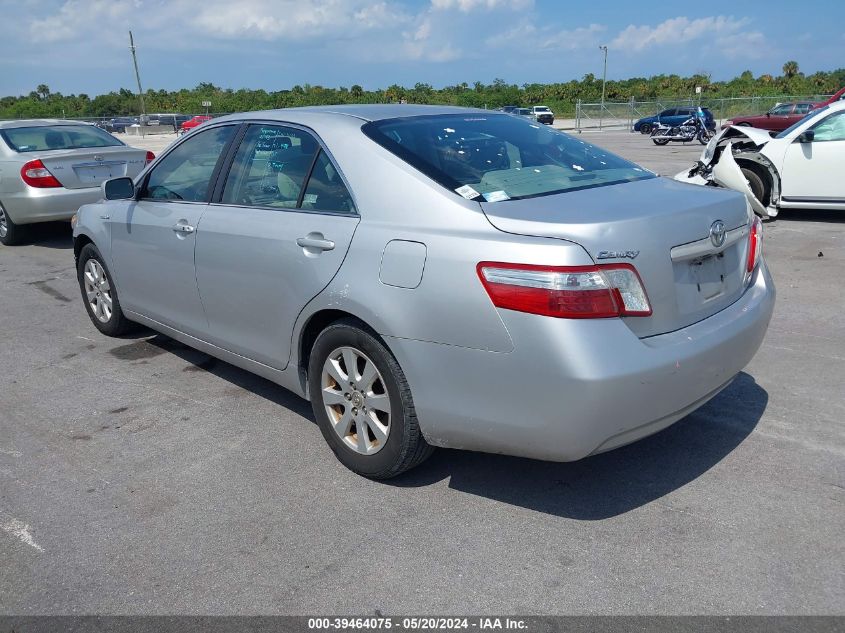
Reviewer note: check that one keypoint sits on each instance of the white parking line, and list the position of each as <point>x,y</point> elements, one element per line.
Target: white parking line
<point>21,531</point>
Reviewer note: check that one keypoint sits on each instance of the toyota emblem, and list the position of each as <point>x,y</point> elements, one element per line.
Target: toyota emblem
<point>717,233</point>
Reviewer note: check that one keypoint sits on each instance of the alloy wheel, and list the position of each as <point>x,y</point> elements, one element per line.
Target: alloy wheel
<point>356,400</point>
<point>98,291</point>
<point>4,225</point>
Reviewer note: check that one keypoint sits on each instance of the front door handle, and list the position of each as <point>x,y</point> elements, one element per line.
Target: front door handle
<point>183,227</point>
<point>315,241</point>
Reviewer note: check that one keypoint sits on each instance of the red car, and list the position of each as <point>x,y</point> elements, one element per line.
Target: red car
<point>777,119</point>
<point>193,122</point>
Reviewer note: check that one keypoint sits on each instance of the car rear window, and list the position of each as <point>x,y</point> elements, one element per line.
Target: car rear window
<point>497,157</point>
<point>45,138</point>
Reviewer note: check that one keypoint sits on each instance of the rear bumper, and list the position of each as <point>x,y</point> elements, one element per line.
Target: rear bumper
<point>32,205</point>
<point>572,388</point>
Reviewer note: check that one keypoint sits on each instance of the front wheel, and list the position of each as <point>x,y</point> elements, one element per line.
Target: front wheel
<point>704,136</point>
<point>362,403</point>
<point>645,128</point>
<point>99,293</point>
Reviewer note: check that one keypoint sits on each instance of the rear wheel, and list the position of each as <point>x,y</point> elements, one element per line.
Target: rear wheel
<point>362,403</point>
<point>99,293</point>
<point>10,233</point>
<point>645,128</point>
<point>660,141</point>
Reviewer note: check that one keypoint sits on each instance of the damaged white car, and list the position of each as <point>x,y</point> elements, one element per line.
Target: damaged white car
<point>801,167</point>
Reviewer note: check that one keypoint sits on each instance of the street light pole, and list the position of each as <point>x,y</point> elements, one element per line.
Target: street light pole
<point>137,77</point>
<point>603,82</point>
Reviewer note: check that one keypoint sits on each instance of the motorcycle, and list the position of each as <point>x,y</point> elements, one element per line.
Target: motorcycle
<point>693,128</point>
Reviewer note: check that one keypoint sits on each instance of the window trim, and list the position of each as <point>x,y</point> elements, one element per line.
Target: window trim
<point>217,197</point>
<point>144,176</point>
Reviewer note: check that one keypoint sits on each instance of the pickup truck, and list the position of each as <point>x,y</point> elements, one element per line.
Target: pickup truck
<point>542,114</point>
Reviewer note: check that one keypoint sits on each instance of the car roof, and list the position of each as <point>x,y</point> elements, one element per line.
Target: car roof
<point>5,125</point>
<point>366,112</point>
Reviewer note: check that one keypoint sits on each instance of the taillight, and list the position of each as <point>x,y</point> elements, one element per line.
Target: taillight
<point>35,174</point>
<point>150,157</point>
<point>755,245</point>
<point>571,292</point>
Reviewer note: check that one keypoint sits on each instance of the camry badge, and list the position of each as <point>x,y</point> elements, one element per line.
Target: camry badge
<point>617,254</point>
<point>717,233</point>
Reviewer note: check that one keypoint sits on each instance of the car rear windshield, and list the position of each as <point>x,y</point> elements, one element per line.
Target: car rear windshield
<point>498,157</point>
<point>49,137</point>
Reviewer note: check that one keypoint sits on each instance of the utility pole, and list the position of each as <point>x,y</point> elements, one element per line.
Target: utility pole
<point>603,82</point>
<point>138,78</point>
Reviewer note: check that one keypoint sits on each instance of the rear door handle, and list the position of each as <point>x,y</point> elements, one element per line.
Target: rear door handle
<point>315,241</point>
<point>182,226</point>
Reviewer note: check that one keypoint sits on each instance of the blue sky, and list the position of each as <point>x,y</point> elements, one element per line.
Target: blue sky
<point>77,46</point>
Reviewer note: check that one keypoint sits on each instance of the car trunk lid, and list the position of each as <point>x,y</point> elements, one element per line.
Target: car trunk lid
<point>660,226</point>
<point>86,168</point>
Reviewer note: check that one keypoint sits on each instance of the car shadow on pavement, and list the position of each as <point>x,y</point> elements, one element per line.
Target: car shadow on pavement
<point>810,215</point>
<point>200,361</point>
<point>56,235</point>
<point>612,483</point>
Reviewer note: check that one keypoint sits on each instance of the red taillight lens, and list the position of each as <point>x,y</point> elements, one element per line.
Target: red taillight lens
<point>755,245</point>
<point>35,174</point>
<point>572,292</point>
<point>150,157</point>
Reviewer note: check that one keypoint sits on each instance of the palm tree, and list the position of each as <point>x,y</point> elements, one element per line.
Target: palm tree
<point>43,91</point>
<point>790,69</point>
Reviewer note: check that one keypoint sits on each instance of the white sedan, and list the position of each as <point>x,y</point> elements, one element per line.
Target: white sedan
<point>799,168</point>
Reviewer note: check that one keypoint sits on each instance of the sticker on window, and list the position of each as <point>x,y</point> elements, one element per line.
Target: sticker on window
<point>467,192</point>
<point>496,196</point>
<point>309,198</point>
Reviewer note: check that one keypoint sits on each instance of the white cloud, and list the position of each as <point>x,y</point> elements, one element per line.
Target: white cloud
<point>471,5</point>
<point>680,30</point>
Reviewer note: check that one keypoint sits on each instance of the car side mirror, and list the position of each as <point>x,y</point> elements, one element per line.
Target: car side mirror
<point>807,136</point>
<point>119,189</point>
<point>768,114</point>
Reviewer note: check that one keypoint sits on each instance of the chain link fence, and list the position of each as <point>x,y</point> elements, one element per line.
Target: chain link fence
<point>623,114</point>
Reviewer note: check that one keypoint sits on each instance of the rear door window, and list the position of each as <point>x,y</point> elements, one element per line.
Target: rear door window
<point>325,190</point>
<point>270,167</point>
<point>284,167</point>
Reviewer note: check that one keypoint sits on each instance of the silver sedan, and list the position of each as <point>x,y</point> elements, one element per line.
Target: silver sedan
<point>432,276</point>
<point>49,168</point>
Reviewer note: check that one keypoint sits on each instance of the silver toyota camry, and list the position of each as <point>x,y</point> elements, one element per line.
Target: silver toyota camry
<point>49,168</point>
<point>434,276</point>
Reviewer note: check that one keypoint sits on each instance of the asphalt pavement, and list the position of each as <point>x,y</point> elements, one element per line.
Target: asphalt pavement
<point>138,476</point>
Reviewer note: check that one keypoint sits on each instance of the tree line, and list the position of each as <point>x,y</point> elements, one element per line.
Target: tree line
<point>561,97</point>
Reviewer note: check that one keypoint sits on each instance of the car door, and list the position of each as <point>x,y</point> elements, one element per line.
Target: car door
<point>153,239</point>
<point>275,236</point>
<point>813,171</point>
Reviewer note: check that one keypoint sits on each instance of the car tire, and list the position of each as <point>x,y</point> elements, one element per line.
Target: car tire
<point>99,293</point>
<point>373,393</point>
<point>645,128</point>
<point>743,124</point>
<point>759,185</point>
<point>10,233</point>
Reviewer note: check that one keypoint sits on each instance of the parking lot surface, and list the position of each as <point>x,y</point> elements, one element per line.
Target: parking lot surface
<point>138,476</point>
